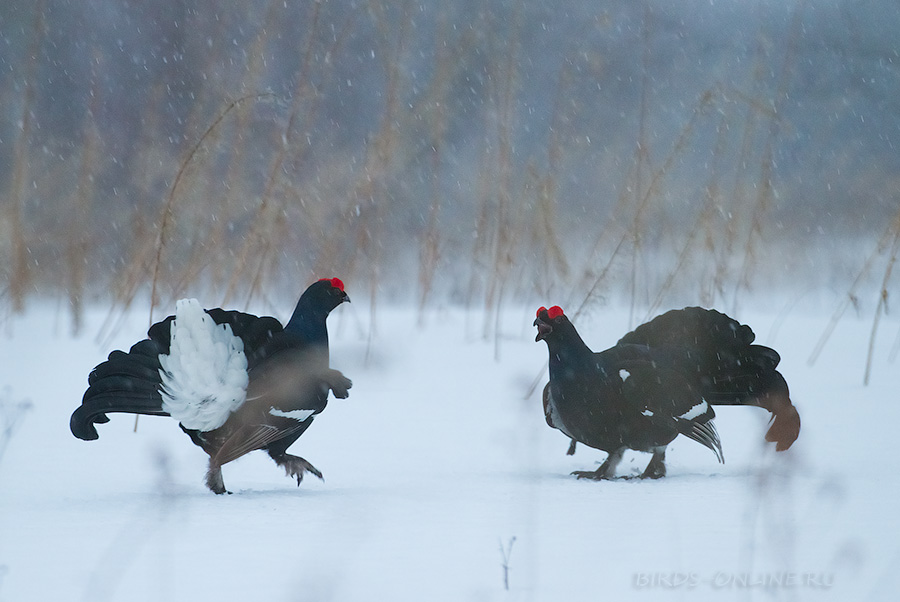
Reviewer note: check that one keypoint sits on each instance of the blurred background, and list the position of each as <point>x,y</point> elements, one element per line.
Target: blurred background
<point>465,151</point>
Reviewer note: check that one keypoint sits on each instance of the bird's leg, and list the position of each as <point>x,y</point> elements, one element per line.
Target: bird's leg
<point>572,445</point>
<point>607,470</point>
<point>295,466</point>
<point>338,383</point>
<point>214,478</point>
<point>656,468</point>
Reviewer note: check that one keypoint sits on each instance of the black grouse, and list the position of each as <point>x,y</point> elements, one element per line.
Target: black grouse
<point>234,381</point>
<point>657,382</point>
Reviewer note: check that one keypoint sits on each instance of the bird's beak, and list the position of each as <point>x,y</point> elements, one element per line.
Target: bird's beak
<point>544,329</point>
<point>345,298</point>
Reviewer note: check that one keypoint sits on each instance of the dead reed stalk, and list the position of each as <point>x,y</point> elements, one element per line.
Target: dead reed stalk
<point>430,244</point>
<point>78,236</point>
<point>889,242</point>
<point>881,307</point>
<point>20,276</point>
<point>169,207</point>
<point>703,223</point>
<point>765,196</point>
<point>651,192</point>
<point>259,240</point>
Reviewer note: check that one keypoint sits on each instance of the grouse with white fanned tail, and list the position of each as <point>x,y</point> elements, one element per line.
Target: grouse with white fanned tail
<point>234,381</point>
<point>657,382</point>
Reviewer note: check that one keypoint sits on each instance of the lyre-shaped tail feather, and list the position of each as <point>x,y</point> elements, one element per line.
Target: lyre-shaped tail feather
<point>785,424</point>
<point>704,433</point>
<point>125,382</point>
<point>773,396</point>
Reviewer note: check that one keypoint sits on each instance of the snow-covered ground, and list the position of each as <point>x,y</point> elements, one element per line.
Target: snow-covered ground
<point>435,462</point>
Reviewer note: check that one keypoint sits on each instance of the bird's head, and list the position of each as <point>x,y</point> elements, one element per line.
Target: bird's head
<point>326,294</point>
<point>549,322</point>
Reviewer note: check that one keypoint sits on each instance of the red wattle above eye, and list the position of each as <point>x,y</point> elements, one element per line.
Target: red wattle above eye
<point>335,282</point>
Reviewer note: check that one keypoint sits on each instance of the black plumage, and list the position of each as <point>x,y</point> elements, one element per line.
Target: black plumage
<point>288,379</point>
<point>657,382</point>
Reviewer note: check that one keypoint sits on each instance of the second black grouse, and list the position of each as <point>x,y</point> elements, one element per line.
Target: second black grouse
<point>657,382</point>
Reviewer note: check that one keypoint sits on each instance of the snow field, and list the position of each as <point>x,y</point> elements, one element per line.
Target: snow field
<point>435,461</point>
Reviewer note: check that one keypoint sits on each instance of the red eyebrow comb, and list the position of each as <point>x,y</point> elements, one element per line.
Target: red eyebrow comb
<point>335,282</point>
<point>553,312</point>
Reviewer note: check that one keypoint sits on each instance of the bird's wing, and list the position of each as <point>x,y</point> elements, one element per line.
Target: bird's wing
<point>251,437</point>
<point>283,395</point>
<point>545,398</point>
<point>293,379</point>
<point>257,332</point>
<point>664,396</point>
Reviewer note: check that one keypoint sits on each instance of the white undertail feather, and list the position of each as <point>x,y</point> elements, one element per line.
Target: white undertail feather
<point>204,376</point>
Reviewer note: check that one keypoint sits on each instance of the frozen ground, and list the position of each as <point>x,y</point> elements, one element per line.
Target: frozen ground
<point>437,459</point>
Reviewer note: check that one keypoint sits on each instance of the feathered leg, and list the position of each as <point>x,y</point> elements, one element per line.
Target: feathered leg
<point>656,468</point>
<point>214,478</point>
<point>294,466</point>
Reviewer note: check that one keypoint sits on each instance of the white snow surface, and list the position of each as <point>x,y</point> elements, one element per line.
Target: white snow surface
<point>437,459</point>
<point>204,375</point>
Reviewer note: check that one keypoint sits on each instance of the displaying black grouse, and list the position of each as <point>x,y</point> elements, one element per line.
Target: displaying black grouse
<point>234,381</point>
<point>659,381</point>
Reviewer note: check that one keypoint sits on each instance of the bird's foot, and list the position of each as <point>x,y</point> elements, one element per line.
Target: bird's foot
<point>594,475</point>
<point>295,466</point>
<point>607,470</point>
<point>339,384</point>
<point>654,472</point>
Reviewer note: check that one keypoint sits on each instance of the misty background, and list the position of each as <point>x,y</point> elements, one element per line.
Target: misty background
<point>467,151</point>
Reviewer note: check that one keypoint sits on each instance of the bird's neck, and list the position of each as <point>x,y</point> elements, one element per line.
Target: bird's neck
<point>567,351</point>
<point>308,325</point>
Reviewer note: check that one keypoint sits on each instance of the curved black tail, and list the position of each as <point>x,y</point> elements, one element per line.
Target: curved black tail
<point>763,387</point>
<point>129,382</point>
<point>729,369</point>
<point>126,382</point>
